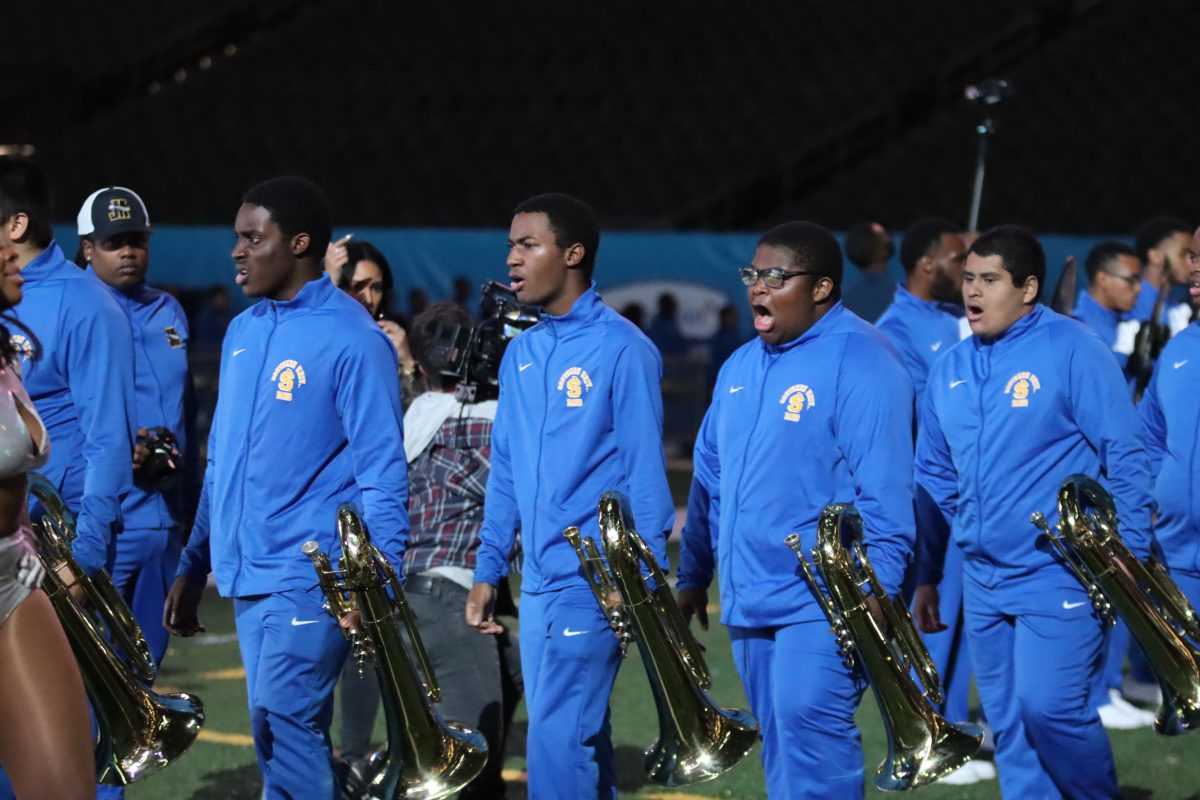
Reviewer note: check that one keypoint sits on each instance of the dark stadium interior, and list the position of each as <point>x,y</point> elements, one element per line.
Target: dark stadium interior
<point>667,116</point>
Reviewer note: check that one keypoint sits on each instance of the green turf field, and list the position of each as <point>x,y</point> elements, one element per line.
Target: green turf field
<point>221,766</point>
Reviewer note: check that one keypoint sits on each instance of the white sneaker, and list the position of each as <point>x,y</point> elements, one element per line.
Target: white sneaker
<point>973,771</point>
<point>1118,714</point>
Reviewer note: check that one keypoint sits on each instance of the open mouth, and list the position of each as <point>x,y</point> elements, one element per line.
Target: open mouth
<point>242,275</point>
<point>764,319</point>
<point>1194,288</point>
<point>974,312</point>
<point>516,283</point>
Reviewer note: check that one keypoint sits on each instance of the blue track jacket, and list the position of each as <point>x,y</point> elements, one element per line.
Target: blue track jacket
<point>164,397</point>
<point>1111,326</point>
<point>1005,422</point>
<point>1171,418</point>
<point>580,413</point>
<point>308,417</point>
<point>921,330</point>
<point>82,387</point>
<point>825,418</point>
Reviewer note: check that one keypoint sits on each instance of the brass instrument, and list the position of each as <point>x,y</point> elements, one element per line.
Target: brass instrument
<point>1141,593</point>
<point>697,740</point>
<point>923,746</point>
<point>426,757</point>
<point>139,732</point>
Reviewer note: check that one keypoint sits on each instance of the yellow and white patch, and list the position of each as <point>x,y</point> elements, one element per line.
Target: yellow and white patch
<point>797,398</point>
<point>576,383</point>
<point>287,377</point>
<point>22,345</point>
<point>1021,387</point>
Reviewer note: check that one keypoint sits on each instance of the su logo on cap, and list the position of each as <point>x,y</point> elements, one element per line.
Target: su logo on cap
<point>1022,386</point>
<point>288,376</point>
<point>119,210</point>
<point>797,398</point>
<point>575,382</point>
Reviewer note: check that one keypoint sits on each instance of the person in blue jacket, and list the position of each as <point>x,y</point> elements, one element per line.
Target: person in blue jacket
<point>1106,306</point>
<point>1171,421</point>
<point>1031,398</point>
<point>1114,286</point>
<point>924,321</point>
<point>816,410</point>
<point>308,418</point>
<point>82,386</point>
<point>114,229</point>
<point>579,414</point>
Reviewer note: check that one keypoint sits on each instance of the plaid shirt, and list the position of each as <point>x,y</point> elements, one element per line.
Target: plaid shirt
<point>446,487</point>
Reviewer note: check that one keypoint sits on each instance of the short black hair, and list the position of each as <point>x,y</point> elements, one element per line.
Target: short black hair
<point>812,247</point>
<point>1019,250</point>
<point>424,335</point>
<point>357,251</point>
<point>297,206</point>
<point>1150,234</point>
<point>24,190</point>
<point>921,237</point>
<point>862,244</point>
<point>1104,254</point>
<point>573,222</point>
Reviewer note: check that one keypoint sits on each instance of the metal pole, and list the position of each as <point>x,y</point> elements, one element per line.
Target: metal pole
<point>984,129</point>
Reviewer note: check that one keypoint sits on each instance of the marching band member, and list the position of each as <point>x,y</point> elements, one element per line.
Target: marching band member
<point>46,740</point>
<point>308,418</point>
<point>114,228</point>
<point>1162,245</point>
<point>816,410</point>
<point>1169,416</point>
<point>1029,399</point>
<point>580,413</point>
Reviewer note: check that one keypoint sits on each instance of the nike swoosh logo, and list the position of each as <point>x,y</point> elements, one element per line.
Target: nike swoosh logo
<point>236,352</point>
<point>524,367</point>
<point>568,632</point>
<point>299,622</point>
<point>957,383</point>
<point>1179,364</point>
<point>935,346</point>
<point>1069,606</point>
<point>735,389</point>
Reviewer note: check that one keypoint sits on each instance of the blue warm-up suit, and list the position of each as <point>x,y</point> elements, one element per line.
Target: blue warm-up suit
<point>148,549</point>
<point>1004,422</point>
<point>82,387</point>
<point>921,331</point>
<point>580,413</point>
<point>1171,421</point>
<point>308,418</point>
<point>825,418</point>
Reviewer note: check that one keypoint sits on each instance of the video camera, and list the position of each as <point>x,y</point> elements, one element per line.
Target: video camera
<point>471,354</point>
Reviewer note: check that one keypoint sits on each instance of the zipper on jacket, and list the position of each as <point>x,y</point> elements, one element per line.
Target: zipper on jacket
<point>263,360</point>
<point>771,359</point>
<point>537,486</point>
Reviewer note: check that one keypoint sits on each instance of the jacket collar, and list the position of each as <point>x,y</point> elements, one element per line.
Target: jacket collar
<point>141,294</point>
<point>313,294</point>
<point>46,264</point>
<point>586,309</point>
<point>1090,306</point>
<point>1017,330</point>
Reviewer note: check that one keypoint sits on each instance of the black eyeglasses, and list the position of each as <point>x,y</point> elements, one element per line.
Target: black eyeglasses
<point>773,277</point>
<point>1132,280</point>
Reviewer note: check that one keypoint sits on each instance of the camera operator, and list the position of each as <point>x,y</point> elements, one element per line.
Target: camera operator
<point>448,446</point>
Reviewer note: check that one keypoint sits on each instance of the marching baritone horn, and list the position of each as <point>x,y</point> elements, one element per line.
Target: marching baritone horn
<point>1141,593</point>
<point>426,757</point>
<point>139,732</point>
<point>923,746</point>
<point>697,740</point>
